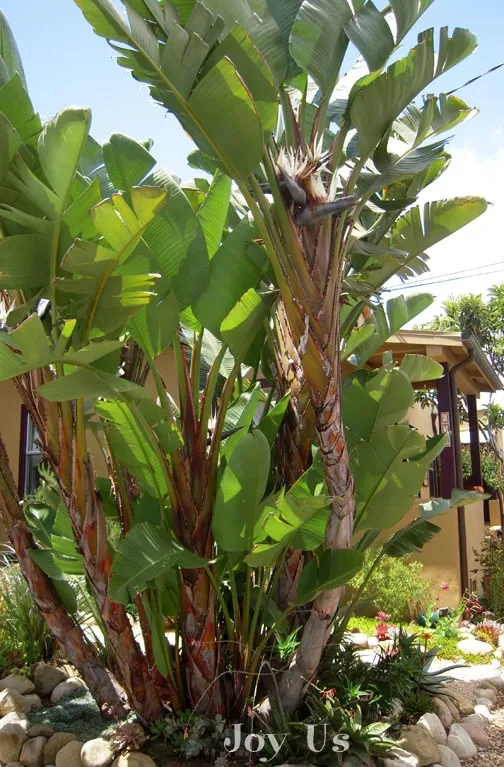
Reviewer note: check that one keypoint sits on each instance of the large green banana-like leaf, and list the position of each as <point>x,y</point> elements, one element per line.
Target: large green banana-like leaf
<point>388,470</point>
<point>9,54</point>
<point>331,569</point>
<point>437,115</point>
<point>144,554</point>
<point>240,492</point>
<point>420,229</point>
<point>318,41</point>
<point>410,539</point>
<point>370,33</point>
<point>236,267</point>
<point>60,146</point>
<point>435,506</point>
<point>377,100</point>
<point>407,12</point>
<point>134,442</point>
<point>17,107</point>
<point>127,162</point>
<point>209,106</point>
<point>213,212</point>
<point>388,321</point>
<point>103,297</point>
<point>154,326</point>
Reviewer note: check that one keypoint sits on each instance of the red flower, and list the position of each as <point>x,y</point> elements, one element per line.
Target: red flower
<point>445,586</point>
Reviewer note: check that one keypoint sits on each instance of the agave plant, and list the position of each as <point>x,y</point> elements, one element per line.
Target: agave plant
<point>261,289</point>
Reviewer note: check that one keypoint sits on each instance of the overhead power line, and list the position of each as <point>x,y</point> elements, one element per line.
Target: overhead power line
<point>444,278</point>
<point>474,79</point>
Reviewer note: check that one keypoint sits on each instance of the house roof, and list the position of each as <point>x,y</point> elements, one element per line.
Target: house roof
<point>451,348</point>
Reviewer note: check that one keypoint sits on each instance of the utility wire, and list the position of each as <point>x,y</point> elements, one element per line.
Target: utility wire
<point>459,271</point>
<point>434,281</point>
<point>478,77</point>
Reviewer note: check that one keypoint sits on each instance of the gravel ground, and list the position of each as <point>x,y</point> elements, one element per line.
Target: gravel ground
<point>493,756</point>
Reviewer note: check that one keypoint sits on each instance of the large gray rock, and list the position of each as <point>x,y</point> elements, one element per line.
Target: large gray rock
<point>474,647</point>
<point>69,755</point>
<point>32,753</point>
<point>135,759</point>
<point>15,718</point>
<point>97,753</point>
<point>485,702</point>
<point>474,719</point>
<point>12,737</point>
<point>55,744</point>
<point>66,688</point>
<point>460,741</point>
<point>12,701</point>
<point>17,682</point>
<point>432,723</point>
<point>418,741</point>
<point>448,757</point>
<point>443,712</point>
<point>34,701</point>
<point>476,733</point>
<point>46,677</point>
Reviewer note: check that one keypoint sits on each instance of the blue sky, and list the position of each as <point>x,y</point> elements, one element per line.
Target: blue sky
<point>66,64</point>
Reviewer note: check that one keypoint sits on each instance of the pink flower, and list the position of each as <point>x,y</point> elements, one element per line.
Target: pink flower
<point>445,586</point>
<point>437,599</point>
<point>383,616</point>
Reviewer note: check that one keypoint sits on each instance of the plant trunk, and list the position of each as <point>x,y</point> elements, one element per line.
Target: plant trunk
<point>104,688</point>
<point>338,535</point>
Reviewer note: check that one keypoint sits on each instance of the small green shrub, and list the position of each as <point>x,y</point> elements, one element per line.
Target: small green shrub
<point>415,704</point>
<point>24,637</point>
<point>491,565</point>
<point>77,713</point>
<point>489,631</point>
<point>395,587</point>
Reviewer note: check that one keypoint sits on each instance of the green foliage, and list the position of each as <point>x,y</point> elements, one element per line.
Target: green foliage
<point>396,587</point>
<point>190,735</point>
<point>490,560</point>
<point>470,313</point>
<point>415,705</point>
<point>24,637</point>
<point>489,631</point>
<point>491,467</point>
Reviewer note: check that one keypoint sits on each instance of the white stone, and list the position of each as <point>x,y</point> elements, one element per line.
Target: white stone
<point>460,742</point>
<point>11,701</point>
<point>66,688</point>
<point>17,682</point>
<point>474,647</point>
<point>373,642</point>
<point>474,719</point>
<point>486,692</point>
<point>432,723</point>
<point>46,677</point>
<point>97,753</point>
<point>55,744</point>
<point>398,757</point>
<point>448,757</point>
<point>69,755</point>
<point>12,737</point>
<point>15,718</point>
<point>358,639</point>
<point>483,711</point>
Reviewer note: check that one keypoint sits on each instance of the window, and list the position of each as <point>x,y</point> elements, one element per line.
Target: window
<point>30,457</point>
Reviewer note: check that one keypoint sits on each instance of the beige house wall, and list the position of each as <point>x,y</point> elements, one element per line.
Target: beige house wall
<point>10,429</point>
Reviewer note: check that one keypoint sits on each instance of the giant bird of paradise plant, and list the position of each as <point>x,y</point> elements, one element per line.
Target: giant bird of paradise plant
<point>271,272</point>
